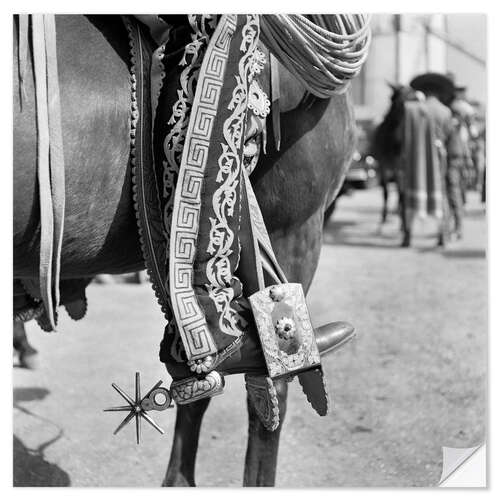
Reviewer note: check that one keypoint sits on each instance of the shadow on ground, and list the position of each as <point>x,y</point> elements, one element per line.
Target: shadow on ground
<point>466,253</point>
<point>25,394</point>
<point>350,233</point>
<point>475,213</point>
<point>456,253</point>
<point>31,468</point>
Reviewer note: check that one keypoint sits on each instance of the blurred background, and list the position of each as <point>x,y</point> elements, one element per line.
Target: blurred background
<point>404,46</point>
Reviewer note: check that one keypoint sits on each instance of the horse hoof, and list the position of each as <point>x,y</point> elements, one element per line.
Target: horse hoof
<point>332,336</point>
<point>177,481</point>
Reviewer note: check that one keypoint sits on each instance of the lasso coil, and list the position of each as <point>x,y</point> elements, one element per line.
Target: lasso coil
<point>323,51</point>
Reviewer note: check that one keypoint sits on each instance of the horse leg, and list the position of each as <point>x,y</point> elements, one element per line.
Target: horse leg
<point>404,221</point>
<point>262,449</point>
<point>26,353</point>
<point>302,247</point>
<point>385,194</point>
<point>180,471</point>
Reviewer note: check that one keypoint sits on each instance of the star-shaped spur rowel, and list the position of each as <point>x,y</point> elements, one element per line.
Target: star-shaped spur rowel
<point>137,408</point>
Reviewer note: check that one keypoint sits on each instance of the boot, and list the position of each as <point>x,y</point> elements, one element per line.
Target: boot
<point>332,336</point>
<point>249,358</point>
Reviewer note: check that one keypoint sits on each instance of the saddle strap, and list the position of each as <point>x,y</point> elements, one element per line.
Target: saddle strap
<point>265,264</point>
<point>50,169</point>
<point>22,55</point>
<point>57,178</point>
<point>275,100</point>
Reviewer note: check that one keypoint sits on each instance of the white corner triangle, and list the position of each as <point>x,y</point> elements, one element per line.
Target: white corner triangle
<point>464,467</point>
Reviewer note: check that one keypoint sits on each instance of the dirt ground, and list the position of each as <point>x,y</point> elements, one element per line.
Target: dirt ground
<point>413,381</point>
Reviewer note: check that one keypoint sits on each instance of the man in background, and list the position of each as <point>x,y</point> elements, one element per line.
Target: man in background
<point>459,162</point>
<point>451,116</point>
<point>429,184</point>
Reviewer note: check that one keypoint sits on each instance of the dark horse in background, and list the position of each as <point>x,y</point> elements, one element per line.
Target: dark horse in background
<point>387,145</point>
<point>293,187</point>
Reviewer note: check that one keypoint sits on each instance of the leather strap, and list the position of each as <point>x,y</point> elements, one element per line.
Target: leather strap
<point>57,178</point>
<point>275,100</point>
<point>50,168</point>
<point>266,264</point>
<point>43,148</point>
<point>22,55</point>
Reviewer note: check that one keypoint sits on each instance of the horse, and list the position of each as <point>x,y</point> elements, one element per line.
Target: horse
<point>293,186</point>
<point>386,147</point>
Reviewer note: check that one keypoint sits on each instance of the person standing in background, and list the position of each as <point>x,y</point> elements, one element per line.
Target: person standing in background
<point>443,128</point>
<point>459,163</point>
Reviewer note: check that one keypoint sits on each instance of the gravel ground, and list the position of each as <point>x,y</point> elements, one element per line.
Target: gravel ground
<point>412,382</point>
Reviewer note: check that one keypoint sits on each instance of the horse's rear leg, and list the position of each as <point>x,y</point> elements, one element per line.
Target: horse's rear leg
<point>26,353</point>
<point>180,471</point>
<point>262,449</point>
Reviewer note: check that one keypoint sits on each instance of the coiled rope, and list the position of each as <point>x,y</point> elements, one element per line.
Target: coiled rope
<point>324,52</point>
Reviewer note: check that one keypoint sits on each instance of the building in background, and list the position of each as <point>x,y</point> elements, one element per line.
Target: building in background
<point>405,45</point>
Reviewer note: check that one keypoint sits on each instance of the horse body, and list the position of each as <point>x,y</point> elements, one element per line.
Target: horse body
<point>293,187</point>
<point>100,229</point>
<point>296,183</point>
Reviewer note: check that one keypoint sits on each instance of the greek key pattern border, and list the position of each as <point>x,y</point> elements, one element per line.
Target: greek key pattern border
<point>189,315</point>
<point>223,235</point>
